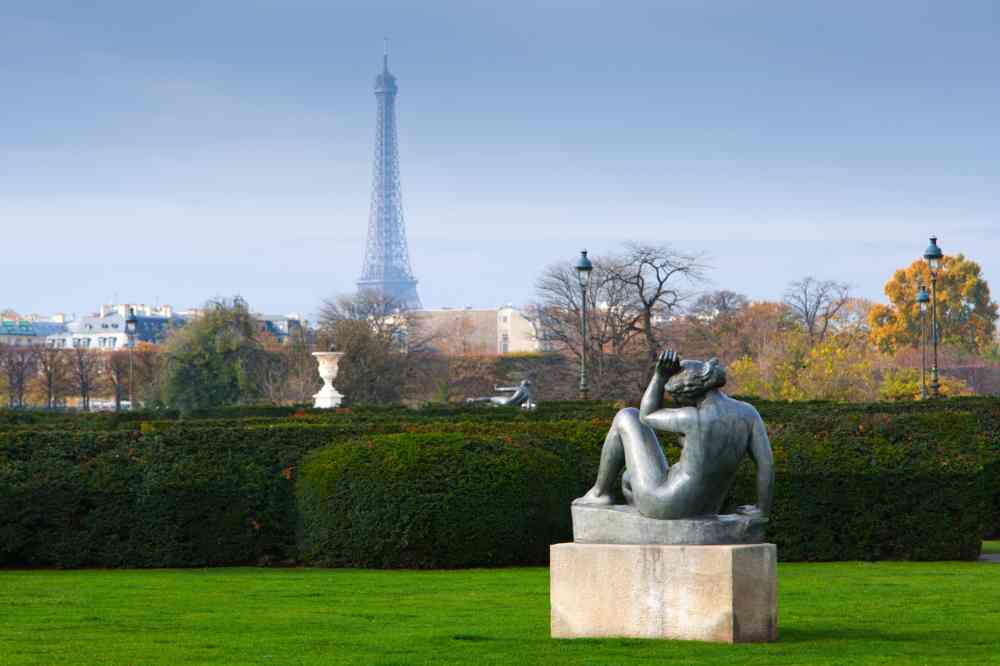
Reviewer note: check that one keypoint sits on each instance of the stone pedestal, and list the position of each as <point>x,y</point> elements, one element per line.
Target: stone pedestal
<point>724,594</point>
<point>624,525</point>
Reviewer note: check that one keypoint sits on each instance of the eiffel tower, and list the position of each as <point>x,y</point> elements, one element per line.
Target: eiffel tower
<point>387,258</point>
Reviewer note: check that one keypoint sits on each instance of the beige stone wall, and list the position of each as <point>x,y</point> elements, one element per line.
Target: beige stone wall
<point>515,333</point>
<point>470,331</point>
<point>460,331</point>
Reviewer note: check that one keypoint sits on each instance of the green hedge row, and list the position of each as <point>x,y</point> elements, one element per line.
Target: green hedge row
<point>182,495</point>
<point>869,482</point>
<point>431,501</point>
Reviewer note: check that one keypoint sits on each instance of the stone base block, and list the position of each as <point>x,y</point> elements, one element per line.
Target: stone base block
<point>723,594</point>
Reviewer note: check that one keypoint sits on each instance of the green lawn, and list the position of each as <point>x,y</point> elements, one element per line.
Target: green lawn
<point>991,547</point>
<point>843,613</point>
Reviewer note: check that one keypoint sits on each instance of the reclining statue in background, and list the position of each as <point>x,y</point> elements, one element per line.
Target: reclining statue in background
<point>523,395</point>
<point>716,433</point>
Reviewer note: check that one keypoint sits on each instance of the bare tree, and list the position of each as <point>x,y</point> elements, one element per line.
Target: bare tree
<point>115,368</point>
<point>612,316</point>
<point>272,373</point>
<point>148,361</point>
<point>382,342</point>
<point>815,304</point>
<point>613,323</point>
<point>303,377</point>
<point>712,325</point>
<point>718,304</point>
<point>84,372</point>
<point>53,370</point>
<point>18,365</point>
<point>659,279</point>
<point>386,316</point>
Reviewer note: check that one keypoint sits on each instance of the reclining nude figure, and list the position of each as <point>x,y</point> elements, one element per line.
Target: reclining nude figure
<point>522,395</point>
<point>716,433</point>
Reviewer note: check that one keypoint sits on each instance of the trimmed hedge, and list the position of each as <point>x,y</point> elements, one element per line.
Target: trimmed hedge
<point>439,500</point>
<point>853,481</point>
<point>873,486</point>
<point>181,495</point>
<point>119,499</point>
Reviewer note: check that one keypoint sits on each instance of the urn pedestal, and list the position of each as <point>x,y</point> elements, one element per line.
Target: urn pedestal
<point>328,397</point>
<point>722,594</point>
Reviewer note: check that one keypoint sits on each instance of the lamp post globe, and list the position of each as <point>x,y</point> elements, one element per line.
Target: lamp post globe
<point>923,298</point>
<point>933,255</point>
<point>583,268</point>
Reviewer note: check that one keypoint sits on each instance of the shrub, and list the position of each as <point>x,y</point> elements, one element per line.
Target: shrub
<point>430,501</point>
<point>875,486</point>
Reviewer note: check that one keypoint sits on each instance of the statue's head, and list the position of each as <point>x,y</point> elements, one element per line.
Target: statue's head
<point>695,379</point>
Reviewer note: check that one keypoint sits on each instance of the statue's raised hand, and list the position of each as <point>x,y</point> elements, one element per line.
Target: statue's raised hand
<point>668,364</point>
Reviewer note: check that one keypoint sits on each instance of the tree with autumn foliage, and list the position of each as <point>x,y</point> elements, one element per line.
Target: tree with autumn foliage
<point>966,315</point>
<point>904,384</point>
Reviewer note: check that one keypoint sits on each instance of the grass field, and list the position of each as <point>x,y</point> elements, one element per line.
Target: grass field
<point>839,613</point>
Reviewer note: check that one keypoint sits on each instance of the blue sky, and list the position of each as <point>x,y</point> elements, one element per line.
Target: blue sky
<point>184,150</point>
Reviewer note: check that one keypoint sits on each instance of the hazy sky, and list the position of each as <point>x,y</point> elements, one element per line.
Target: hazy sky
<point>176,151</point>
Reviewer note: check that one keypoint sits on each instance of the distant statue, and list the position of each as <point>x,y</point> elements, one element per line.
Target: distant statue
<point>716,432</point>
<point>522,395</point>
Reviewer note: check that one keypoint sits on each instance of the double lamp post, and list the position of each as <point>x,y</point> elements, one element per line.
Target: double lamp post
<point>933,256</point>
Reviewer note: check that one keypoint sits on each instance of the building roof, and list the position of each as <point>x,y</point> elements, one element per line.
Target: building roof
<point>148,328</point>
<point>25,328</point>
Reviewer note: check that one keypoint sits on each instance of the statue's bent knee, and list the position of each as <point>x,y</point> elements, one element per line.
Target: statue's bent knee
<point>626,417</point>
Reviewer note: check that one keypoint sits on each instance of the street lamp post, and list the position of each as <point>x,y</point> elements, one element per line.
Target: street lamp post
<point>583,268</point>
<point>130,326</point>
<point>922,299</point>
<point>933,256</point>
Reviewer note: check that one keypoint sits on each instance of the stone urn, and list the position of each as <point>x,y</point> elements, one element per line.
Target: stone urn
<point>328,397</point>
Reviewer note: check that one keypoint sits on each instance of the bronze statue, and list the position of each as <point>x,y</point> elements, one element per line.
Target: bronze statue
<point>716,433</point>
<point>522,395</point>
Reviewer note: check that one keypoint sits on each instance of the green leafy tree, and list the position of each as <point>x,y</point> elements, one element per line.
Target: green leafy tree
<point>904,384</point>
<point>216,360</point>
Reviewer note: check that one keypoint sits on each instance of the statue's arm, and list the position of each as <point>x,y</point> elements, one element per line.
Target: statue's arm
<point>760,451</point>
<point>651,412</point>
